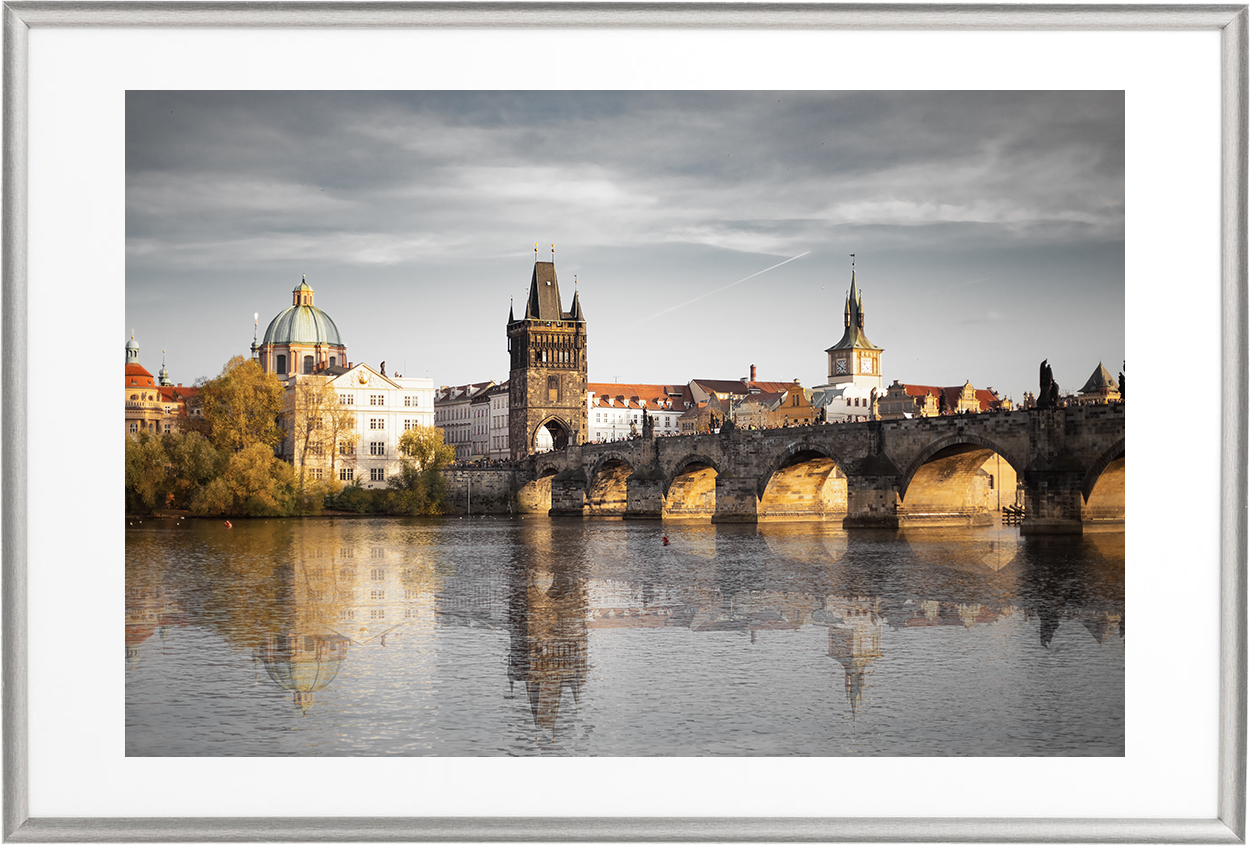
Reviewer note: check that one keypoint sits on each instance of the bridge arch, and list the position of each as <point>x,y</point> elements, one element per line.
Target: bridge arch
<point>607,485</point>
<point>1102,490</point>
<point>690,488</point>
<point>535,496</point>
<point>803,481</point>
<point>610,458</point>
<point>1114,452</point>
<point>953,479</point>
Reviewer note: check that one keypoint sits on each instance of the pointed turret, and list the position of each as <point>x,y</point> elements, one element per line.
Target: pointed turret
<point>544,298</point>
<point>575,313</point>
<point>853,313</point>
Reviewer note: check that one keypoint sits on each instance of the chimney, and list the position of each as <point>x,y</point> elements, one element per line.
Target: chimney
<point>752,372</point>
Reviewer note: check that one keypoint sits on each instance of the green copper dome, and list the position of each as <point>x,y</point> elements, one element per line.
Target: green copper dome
<point>303,323</point>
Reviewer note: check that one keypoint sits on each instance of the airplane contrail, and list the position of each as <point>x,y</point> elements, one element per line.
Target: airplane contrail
<point>727,287</point>
<point>960,285</point>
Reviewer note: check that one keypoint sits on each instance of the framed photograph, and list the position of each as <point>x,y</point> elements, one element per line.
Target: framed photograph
<point>150,147</point>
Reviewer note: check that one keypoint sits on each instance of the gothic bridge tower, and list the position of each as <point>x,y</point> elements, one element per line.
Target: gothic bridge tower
<point>547,377</point>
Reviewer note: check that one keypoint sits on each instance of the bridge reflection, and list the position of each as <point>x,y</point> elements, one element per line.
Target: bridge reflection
<point>303,599</point>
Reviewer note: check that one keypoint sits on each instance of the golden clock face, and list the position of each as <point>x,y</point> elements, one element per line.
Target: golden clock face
<point>865,364</point>
<point>839,365</point>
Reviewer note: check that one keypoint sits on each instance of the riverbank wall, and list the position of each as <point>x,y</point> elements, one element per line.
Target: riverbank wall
<point>491,490</point>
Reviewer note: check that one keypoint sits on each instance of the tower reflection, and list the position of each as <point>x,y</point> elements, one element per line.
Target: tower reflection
<point>547,618</point>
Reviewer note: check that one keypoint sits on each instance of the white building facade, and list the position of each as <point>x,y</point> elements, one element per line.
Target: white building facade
<point>381,409</point>
<point>497,430</point>
<point>614,411</point>
<point>453,413</point>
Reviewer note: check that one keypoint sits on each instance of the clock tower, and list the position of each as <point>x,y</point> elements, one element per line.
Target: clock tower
<point>855,360</point>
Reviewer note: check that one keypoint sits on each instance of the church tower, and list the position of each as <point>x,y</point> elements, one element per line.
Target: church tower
<point>547,376</point>
<point>854,359</point>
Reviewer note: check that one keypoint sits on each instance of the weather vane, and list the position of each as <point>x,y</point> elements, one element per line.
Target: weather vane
<point>852,261</point>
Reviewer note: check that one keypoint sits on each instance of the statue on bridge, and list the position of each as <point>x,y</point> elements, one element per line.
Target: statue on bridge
<point>1048,395</point>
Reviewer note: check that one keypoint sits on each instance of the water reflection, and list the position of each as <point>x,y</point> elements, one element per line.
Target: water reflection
<point>574,616</point>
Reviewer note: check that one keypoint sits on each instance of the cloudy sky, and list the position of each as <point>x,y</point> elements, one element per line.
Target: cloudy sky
<point>988,228</point>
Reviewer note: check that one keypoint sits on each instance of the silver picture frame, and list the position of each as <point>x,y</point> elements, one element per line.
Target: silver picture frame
<point>1228,826</point>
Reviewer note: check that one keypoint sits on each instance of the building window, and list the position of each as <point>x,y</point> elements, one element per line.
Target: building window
<point>347,399</point>
<point>377,448</point>
<point>377,399</point>
<point>346,474</point>
<point>315,472</point>
<point>134,428</point>
<point>332,360</point>
<point>347,614</point>
<point>308,365</point>
<point>377,474</point>
<point>409,424</point>
<point>377,422</point>
<point>169,427</point>
<point>347,448</point>
<point>377,594</point>
<point>282,364</point>
<point>377,614</point>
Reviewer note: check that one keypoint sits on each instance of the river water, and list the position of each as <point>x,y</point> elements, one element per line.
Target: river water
<point>534,636</point>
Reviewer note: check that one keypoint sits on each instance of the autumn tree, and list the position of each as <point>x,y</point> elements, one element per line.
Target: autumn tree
<point>339,433</point>
<point>306,409</point>
<point>241,406</point>
<point>193,463</point>
<point>424,447</point>
<point>147,469</point>
<point>419,487</point>
<point>261,483</point>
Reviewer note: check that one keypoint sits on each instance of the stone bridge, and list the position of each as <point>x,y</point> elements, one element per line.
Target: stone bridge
<point>1063,467</point>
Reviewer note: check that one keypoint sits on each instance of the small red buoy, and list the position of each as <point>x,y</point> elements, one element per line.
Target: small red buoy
<point>666,540</point>
<point>228,526</point>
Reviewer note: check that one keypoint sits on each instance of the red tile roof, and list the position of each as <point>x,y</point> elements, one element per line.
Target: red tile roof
<point>137,375</point>
<point>985,399</point>
<point>625,395</point>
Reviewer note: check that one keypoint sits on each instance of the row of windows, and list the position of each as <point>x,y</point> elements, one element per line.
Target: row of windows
<point>410,401</point>
<point>455,413</point>
<point>348,474</point>
<point>156,427</point>
<point>626,418</point>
